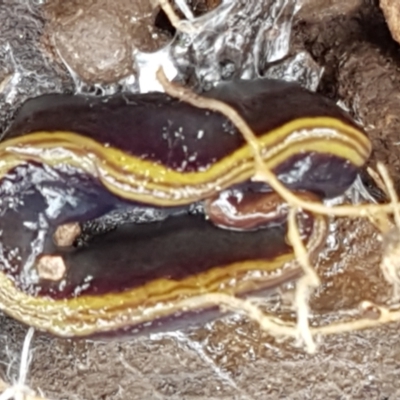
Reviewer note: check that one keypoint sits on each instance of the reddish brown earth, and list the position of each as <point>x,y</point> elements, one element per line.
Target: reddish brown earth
<point>232,358</point>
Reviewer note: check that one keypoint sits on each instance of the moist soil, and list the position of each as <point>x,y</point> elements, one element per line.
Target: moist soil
<point>232,358</point>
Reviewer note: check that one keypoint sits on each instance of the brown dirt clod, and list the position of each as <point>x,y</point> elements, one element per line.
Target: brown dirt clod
<point>96,38</point>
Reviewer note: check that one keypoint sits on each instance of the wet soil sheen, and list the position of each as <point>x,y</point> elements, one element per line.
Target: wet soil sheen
<point>231,358</point>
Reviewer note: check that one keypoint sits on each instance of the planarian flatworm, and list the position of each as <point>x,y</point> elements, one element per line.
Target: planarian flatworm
<point>114,210</point>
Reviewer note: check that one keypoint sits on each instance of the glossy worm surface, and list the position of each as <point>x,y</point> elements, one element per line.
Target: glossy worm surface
<point>114,210</point>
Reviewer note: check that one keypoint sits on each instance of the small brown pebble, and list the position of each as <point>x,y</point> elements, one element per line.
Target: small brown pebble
<point>65,235</point>
<point>103,53</point>
<point>51,267</point>
<point>391,11</point>
<point>97,38</point>
<point>370,311</point>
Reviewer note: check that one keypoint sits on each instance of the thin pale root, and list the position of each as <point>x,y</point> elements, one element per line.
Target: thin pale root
<point>310,280</point>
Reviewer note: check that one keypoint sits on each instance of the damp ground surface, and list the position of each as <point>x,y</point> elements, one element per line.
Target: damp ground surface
<point>232,358</point>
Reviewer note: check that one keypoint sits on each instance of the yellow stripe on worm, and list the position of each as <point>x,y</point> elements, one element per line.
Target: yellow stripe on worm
<point>139,180</point>
<point>89,314</point>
